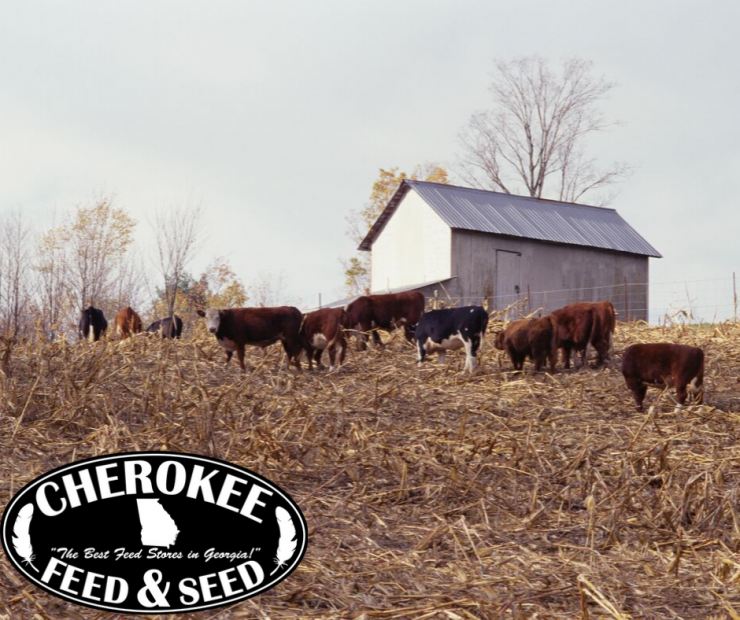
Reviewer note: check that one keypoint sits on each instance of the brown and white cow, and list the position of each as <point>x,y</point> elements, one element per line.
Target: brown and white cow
<point>388,312</point>
<point>664,364</point>
<point>235,328</point>
<point>579,325</point>
<point>535,338</point>
<point>324,330</point>
<point>128,323</point>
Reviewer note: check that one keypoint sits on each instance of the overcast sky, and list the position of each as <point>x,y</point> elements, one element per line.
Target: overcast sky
<point>278,115</point>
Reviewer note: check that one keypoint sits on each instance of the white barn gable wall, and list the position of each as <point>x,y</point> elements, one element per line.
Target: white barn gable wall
<point>414,246</point>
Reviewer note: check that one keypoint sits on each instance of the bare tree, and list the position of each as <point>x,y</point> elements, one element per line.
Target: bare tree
<point>270,289</point>
<point>15,260</point>
<point>177,234</point>
<point>51,293</point>
<point>533,139</point>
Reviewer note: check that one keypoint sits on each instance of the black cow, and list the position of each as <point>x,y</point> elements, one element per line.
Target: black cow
<point>92,324</point>
<point>439,331</point>
<point>164,327</point>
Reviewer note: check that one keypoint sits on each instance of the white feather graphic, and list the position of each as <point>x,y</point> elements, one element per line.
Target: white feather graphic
<point>287,542</point>
<point>21,536</point>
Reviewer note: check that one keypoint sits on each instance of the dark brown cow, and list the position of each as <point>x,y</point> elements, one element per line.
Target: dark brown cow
<point>578,326</point>
<point>372,312</point>
<point>663,364</point>
<point>235,328</point>
<point>128,323</point>
<point>535,338</point>
<point>324,330</point>
<point>608,321</point>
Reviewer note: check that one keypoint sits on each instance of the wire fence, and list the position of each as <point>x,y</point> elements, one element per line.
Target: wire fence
<point>684,301</point>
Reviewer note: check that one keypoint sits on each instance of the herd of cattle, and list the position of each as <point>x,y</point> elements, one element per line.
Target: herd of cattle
<point>571,329</point>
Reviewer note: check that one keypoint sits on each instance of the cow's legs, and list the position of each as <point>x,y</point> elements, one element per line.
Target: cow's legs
<point>292,354</point>
<point>422,353</point>
<point>317,358</point>
<point>342,349</point>
<point>408,331</point>
<point>441,357</point>
<point>566,348</point>
<point>240,356</point>
<point>376,339</point>
<point>309,356</point>
<point>362,329</point>
<point>696,387</point>
<point>469,356</point>
<point>638,389</point>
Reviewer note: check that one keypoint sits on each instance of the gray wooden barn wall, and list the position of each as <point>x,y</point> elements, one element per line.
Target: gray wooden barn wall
<point>548,267</point>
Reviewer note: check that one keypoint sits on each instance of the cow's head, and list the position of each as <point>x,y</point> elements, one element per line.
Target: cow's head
<point>212,317</point>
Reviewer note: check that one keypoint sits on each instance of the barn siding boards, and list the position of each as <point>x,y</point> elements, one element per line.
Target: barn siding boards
<point>413,246</point>
<point>569,273</point>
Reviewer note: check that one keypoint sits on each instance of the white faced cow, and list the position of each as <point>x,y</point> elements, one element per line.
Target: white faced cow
<point>439,331</point>
<point>235,328</point>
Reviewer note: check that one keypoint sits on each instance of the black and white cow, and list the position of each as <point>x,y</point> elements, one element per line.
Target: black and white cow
<point>165,329</point>
<point>92,324</point>
<point>439,331</point>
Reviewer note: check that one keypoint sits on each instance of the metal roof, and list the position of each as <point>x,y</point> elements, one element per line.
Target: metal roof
<point>401,289</point>
<point>465,208</point>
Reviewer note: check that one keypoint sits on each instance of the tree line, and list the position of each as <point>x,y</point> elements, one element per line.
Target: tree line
<point>88,256</point>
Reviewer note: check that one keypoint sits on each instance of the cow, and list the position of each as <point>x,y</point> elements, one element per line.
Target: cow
<point>534,338</point>
<point>92,324</point>
<point>387,312</point>
<point>128,323</point>
<point>579,325</point>
<point>235,328</point>
<point>165,328</point>
<point>664,364</point>
<point>445,330</point>
<point>607,324</point>
<point>324,330</point>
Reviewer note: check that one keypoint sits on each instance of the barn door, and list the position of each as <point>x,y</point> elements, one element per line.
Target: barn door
<point>508,280</point>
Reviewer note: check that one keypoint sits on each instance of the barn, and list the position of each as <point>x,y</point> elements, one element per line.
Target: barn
<point>466,245</point>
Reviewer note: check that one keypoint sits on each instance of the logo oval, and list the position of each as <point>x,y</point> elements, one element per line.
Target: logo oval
<point>153,533</point>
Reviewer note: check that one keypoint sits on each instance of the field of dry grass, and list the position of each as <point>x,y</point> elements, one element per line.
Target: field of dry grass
<point>428,493</point>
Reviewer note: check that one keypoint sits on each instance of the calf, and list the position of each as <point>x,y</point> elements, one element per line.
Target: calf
<point>663,364</point>
<point>235,328</point>
<point>387,312</point>
<point>92,324</point>
<point>166,327</point>
<point>578,326</point>
<point>128,323</point>
<point>324,330</point>
<point>439,331</point>
<point>535,338</point>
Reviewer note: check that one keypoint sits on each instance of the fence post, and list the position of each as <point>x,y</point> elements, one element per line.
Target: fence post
<point>319,300</point>
<point>529,301</point>
<point>626,301</point>
<point>436,297</point>
<point>734,295</point>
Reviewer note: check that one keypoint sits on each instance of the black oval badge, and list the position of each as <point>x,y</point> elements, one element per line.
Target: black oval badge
<point>153,532</point>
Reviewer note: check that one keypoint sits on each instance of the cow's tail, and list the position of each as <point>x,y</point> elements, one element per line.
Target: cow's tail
<point>555,341</point>
<point>339,330</point>
<point>596,337</point>
<point>612,327</point>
